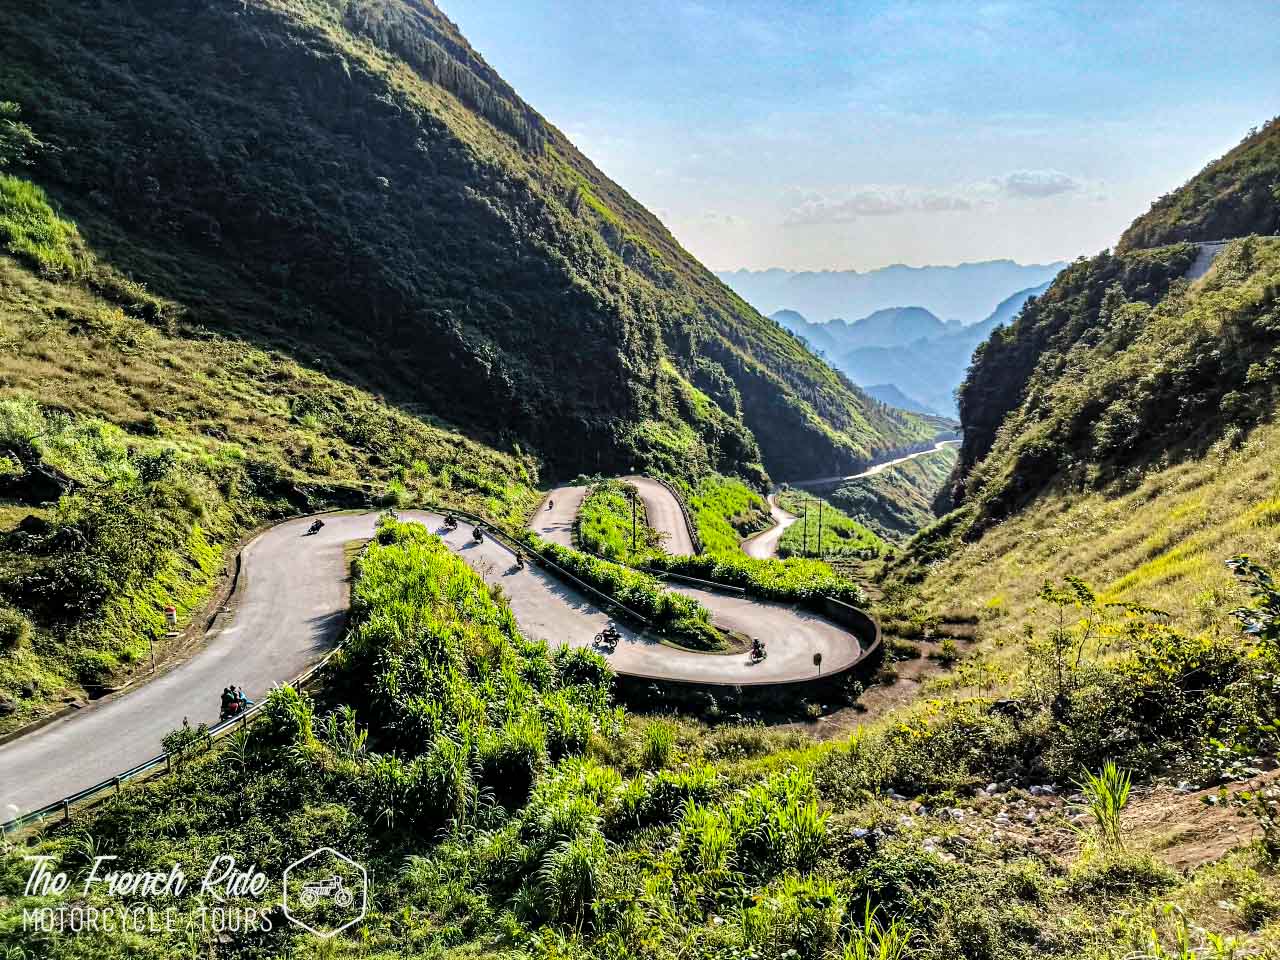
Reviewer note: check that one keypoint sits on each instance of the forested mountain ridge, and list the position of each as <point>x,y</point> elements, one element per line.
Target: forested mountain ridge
<point>417,229</point>
<point>1123,362</point>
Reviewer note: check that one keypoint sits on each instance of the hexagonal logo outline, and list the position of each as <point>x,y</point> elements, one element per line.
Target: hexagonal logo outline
<point>364,893</point>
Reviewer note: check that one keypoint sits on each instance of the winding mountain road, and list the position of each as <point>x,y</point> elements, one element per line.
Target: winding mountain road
<point>765,543</point>
<point>556,520</point>
<point>873,470</point>
<point>291,606</point>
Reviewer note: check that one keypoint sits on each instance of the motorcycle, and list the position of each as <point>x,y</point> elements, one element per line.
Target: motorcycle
<point>608,638</point>
<point>477,535</point>
<point>550,504</point>
<point>234,709</point>
<point>519,561</point>
<point>315,528</point>
<point>451,522</point>
<point>758,652</point>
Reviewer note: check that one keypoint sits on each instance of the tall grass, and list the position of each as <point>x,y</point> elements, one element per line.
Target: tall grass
<point>725,511</point>
<point>604,524</point>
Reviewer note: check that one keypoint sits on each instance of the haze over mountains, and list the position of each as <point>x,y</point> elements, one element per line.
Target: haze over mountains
<point>905,356</point>
<point>965,292</point>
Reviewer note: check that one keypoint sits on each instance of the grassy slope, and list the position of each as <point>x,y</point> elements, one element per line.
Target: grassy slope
<point>899,501</point>
<point>725,511</point>
<point>175,442</point>
<point>1236,195</point>
<point>1124,381</point>
<point>414,223</point>
<point>1163,542</point>
<point>503,808</point>
<point>840,533</point>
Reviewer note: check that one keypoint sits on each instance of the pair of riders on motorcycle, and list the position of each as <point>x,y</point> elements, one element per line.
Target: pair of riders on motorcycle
<point>234,701</point>
<point>757,649</point>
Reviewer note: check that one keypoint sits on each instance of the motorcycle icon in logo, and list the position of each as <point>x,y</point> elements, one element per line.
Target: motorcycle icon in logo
<point>331,888</point>
<point>325,892</point>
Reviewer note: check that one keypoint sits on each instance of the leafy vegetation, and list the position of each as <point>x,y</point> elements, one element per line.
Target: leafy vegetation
<point>353,186</point>
<point>828,531</point>
<point>503,807</point>
<point>686,619</point>
<point>726,511</point>
<point>604,524</point>
<point>793,579</point>
<point>900,500</point>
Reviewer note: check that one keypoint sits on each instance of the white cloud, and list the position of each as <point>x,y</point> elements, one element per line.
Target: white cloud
<point>1037,183</point>
<point>872,201</point>
<point>807,208</point>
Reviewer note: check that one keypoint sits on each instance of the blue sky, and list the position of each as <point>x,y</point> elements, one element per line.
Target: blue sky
<point>817,135</point>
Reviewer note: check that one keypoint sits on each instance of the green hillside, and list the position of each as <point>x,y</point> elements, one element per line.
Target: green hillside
<point>900,500</point>
<point>1236,195</point>
<point>350,184</point>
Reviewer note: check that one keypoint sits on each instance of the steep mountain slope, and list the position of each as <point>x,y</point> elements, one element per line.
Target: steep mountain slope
<point>963,292</point>
<point>415,227</point>
<point>1123,365</point>
<point>889,327</point>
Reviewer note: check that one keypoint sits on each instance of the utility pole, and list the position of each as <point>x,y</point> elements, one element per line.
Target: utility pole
<point>805,549</point>
<point>821,504</point>
<point>632,491</point>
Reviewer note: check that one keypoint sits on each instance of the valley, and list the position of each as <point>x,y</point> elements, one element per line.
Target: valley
<point>655,611</point>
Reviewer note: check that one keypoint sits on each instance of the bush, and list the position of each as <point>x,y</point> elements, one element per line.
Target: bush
<point>15,630</point>
<point>659,741</point>
<point>784,580</point>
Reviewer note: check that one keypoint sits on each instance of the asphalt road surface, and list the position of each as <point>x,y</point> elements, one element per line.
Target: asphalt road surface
<point>765,543</point>
<point>290,608</point>
<point>872,471</point>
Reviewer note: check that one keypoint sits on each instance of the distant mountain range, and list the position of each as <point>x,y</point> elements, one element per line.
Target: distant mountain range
<point>963,293</point>
<point>890,394</point>
<point>905,356</point>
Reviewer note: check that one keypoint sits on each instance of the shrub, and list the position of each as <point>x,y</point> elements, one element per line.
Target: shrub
<point>15,630</point>
<point>785,580</point>
<point>1105,795</point>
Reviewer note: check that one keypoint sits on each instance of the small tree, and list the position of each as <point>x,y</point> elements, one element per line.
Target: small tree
<point>17,142</point>
<point>182,743</point>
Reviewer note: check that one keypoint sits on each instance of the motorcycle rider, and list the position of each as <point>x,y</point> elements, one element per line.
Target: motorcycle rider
<point>757,649</point>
